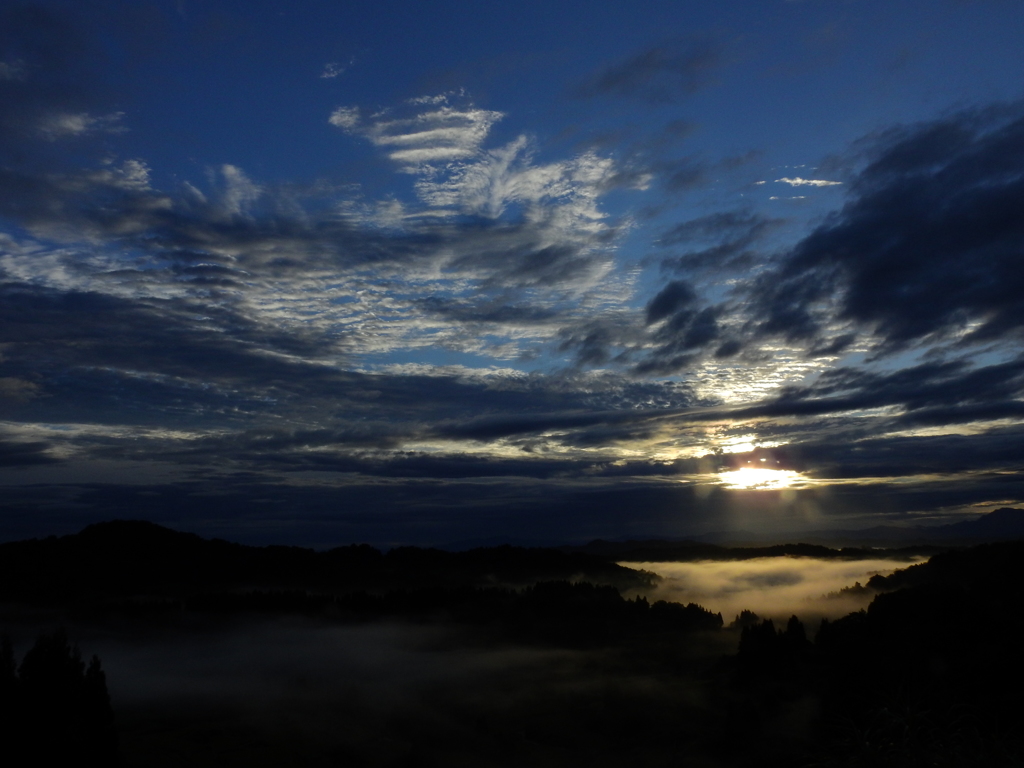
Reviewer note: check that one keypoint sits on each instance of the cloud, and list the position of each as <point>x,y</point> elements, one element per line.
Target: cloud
<point>421,137</point>
<point>231,329</point>
<point>12,70</point>
<point>260,252</point>
<point>507,176</point>
<point>238,191</point>
<point>150,344</point>
<point>927,248</point>
<point>662,73</point>
<point>492,313</point>
<point>682,175</point>
<point>508,425</point>
<point>444,408</point>
<point>443,145</point>
<point>925,388</point>
<point>346,118</point>
<point>547,225</point>
<point>685,328</point>
<point>718,242</point>
<point>48,91</point>
<point>333,69</point>
<point>994,449</point>
<point>13,388</point>
<point>798,182</point>
<point>25,454</point>
<point>65,125</point>
<point>675,295</point>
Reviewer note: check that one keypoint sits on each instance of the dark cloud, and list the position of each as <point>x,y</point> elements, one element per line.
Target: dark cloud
<point>922,388</point>
<point>659,74</point>
<point>718,241</point>
<point>674,130</point>
<point>728,349</point>
<point>176,326</point>
<point>672,297</point>
<point>939,392</point>
<point>524,259</point>
<point>646,154</point>
<point>686,329</point>
<point>713,226</point>
<point>507,426</point>
<point>674,175</point>
<point>665,365</point>
<point>929,393</point>
<point>493,309</point>
<point>832,347</point>
<point>354,423</point>
<point>682,175</point>
<point>929,245</point>
<point>45,73</point>
<point>602,340</point>
<point>997,449</point>
<point>241,229</point>
<point>140,360</point>
<point>17,390</point>
<point>23,454</point>
<point>150,344</point>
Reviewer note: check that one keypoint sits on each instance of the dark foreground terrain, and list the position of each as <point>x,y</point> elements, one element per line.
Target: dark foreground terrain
<point>216,654</point>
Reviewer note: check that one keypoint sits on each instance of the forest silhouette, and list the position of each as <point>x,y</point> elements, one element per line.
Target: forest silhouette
<point>929,674</point>
<point>54,708</point>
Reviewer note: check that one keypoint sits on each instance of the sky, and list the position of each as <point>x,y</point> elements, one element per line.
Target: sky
<point>539,272</point>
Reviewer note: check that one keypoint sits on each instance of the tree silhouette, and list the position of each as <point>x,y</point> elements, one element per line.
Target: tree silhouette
<point>8,692</point>
<point>55,710</point>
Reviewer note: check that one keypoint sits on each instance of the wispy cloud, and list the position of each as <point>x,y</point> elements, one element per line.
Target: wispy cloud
<point>346,118</point>
<point>423,133</point>
<point>67,125</point>
<point>234,291</point>
<point>661,73</point>
<point>333,69</point>
<point>12,70</point>
<point>798,182</point>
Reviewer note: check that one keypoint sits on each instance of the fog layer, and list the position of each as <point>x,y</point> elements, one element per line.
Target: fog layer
<point>271,693</point>
<point>772,587</point>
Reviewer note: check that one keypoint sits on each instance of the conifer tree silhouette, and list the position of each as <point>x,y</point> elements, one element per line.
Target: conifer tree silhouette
<point>8,692</point>
<point>57,711</point>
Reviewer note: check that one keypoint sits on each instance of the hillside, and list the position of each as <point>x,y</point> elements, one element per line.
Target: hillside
<point>125,558</point>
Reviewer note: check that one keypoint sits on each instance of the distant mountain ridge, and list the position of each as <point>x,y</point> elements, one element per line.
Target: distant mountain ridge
<point>135,557</point>
<point>656,550</point>
<point>1003,524</point>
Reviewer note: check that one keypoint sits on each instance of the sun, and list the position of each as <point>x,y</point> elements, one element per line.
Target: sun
<point>757,478</point>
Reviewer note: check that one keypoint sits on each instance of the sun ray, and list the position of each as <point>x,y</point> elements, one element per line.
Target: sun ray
<point>757,478</point>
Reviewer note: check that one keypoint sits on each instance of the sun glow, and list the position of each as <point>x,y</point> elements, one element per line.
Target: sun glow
<point>756,478</point>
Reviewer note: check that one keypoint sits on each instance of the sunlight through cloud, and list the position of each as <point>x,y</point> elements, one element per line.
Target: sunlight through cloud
<point>756,478</point>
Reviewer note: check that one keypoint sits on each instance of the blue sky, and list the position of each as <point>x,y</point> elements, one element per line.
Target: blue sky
<point>404,272</point>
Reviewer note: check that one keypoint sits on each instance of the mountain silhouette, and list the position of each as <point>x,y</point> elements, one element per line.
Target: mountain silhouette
<point>1004,524</point>
<point>136,558</point>
<point>652,551</point>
